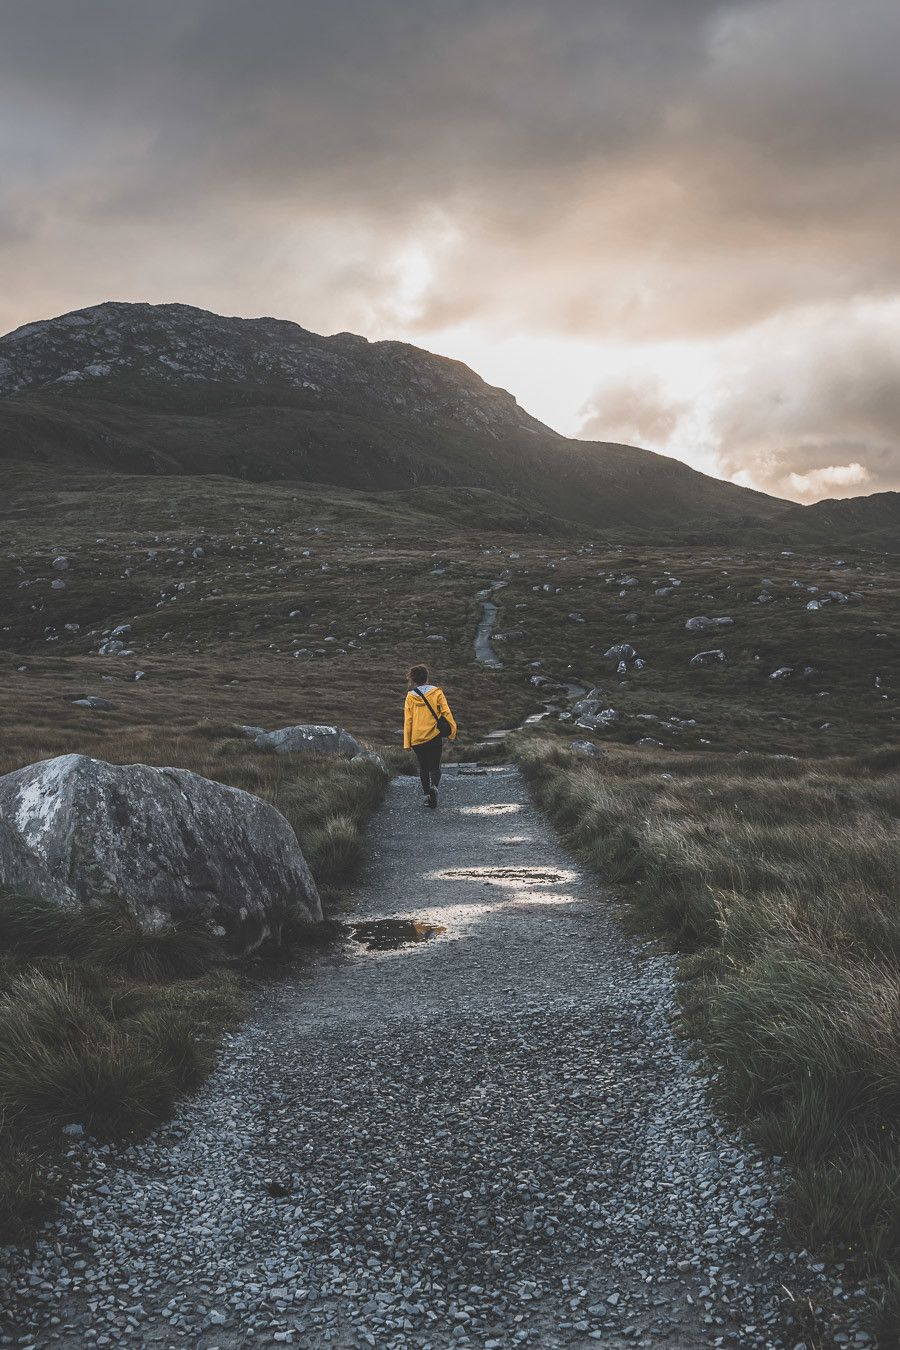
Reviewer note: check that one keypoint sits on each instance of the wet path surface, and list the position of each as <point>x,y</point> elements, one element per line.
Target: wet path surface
<point>483,1137</point>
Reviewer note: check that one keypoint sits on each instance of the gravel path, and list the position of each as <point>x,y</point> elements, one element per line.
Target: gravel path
<point>488,1139</point>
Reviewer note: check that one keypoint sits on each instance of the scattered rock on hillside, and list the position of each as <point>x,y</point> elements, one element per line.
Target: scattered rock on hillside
<point>702,624</point>
<point>602,717</point>
<point>710,658</point>
<point>92,701</point>
<point>590,705</point>
<point>620,651</point>
<point>167,843</point>
<point>590,748</point>
<point>674,723</point>
<point>61,563</point>
<point>320,739</point>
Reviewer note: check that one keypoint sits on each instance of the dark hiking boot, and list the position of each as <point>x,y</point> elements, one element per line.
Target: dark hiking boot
<point>432,798</point>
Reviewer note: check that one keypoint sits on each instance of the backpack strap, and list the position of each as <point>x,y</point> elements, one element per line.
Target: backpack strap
<point>418,691</point>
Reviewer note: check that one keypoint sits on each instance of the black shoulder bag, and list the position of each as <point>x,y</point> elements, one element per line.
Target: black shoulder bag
<point>443,726</point>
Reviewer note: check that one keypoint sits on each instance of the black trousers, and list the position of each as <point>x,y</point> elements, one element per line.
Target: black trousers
<point>429,756</point>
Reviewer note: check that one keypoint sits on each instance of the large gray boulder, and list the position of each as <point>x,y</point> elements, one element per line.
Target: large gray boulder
<point>166,842</point>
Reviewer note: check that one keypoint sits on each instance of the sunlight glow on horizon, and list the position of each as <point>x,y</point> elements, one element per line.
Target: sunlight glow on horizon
<point>553,377</point>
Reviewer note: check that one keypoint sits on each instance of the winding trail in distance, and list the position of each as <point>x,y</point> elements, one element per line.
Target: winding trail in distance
<point>484,651</point>
<point>491,1138</point>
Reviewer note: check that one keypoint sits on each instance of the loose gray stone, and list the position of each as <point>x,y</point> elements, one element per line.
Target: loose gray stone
<point>710,658</point>
<point>701,624</point>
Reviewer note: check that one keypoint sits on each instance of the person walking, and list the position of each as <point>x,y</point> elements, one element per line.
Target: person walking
<point>427,719</point>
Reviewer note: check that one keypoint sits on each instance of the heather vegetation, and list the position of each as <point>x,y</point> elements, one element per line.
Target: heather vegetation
<point>777,878</point>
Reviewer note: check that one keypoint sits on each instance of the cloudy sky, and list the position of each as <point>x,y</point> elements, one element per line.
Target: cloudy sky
<point>669,222</point>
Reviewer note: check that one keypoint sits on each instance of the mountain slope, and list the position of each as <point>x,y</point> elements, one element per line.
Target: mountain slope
<point>173,389</point>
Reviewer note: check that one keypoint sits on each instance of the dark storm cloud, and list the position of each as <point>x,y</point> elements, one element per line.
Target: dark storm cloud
<point>617,169</point>
<point>650,166</point>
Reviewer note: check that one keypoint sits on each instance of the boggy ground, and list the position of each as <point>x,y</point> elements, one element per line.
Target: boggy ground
<point>491,1138</point>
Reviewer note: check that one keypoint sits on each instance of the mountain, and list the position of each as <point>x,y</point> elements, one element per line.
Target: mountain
<point>878,510</point>
<point>172,389</point>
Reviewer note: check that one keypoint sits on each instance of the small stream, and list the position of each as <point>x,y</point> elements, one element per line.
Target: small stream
<point>484,651</point>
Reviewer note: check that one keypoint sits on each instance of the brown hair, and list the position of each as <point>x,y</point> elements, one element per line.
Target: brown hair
<point>417,675</point>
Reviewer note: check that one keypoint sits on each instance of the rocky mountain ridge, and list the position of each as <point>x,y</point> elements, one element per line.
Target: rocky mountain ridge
<point>172,389</point>
<point>116,347</point>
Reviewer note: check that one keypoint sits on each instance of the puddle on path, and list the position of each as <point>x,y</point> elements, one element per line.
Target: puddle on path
<point>491,809</point>
<point>533,876</point>
<point>386,935</point>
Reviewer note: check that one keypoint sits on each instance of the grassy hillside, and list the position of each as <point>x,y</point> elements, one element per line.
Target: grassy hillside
<point>265,604</point>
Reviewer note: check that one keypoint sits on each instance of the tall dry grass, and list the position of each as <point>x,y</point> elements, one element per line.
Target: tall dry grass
<point>779,881</point>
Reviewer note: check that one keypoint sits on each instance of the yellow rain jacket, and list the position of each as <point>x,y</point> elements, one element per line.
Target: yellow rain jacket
<point>418,724</point>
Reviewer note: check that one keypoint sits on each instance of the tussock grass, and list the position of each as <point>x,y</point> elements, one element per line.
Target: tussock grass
<point>779,881</point>
<point>116,939</point>
<point>79,1043</point>
<point>105,936</point>
<point>111,1056</point>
